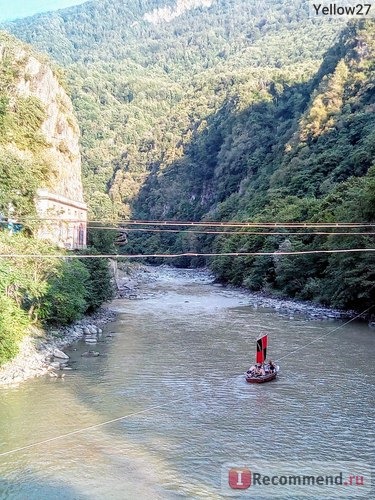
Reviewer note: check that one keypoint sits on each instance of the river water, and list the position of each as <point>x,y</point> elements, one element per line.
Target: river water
<point>174,369</point>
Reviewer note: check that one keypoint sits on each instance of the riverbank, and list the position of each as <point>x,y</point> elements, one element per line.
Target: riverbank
<point>291,307</point>
<point>41,351</point>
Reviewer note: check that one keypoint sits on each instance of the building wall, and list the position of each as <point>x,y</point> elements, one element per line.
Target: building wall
<point>63,221</point>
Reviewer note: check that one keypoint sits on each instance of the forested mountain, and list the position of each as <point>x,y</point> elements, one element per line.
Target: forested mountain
<point>302,153</point>
<point>143,81</point>
<point>227,110</point>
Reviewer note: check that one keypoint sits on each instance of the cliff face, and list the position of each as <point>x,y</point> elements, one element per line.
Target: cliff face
<point>167,13</point>
<point>39,123</point>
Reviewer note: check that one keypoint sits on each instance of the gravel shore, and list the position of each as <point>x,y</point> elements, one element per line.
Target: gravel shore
<point>40,352</point>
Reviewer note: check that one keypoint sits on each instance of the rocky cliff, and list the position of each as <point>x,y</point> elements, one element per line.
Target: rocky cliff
<point>37,118</point>
<point>167,13</point>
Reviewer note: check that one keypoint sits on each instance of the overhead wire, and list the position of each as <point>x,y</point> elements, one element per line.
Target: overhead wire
<point>276,253</point>
<point>84,429</point>
<point>241,224</point>
<point>359,315</point>
<point>227,233</point>
<point>236,224</point>
<point>248,225</point>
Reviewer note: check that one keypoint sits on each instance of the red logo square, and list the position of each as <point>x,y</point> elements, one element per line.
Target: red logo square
<point>239,478</point>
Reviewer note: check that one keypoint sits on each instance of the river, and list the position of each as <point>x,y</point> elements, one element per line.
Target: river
<point>174,369</point>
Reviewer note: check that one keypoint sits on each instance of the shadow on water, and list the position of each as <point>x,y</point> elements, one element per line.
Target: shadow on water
<point>32,488</point>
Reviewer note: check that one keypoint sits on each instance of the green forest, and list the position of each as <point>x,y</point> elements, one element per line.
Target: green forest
<point>141,91</point>
<point>240,111</point>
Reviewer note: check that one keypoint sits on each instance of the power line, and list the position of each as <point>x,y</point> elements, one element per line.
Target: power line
<point>89,428</point>
<point>235,224</point>
<point>228,233</point>
<point>243,224</point>
<point>185,254</point>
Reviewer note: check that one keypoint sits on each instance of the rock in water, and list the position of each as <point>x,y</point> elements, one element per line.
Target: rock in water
<point>59,354</point>
<point>90,354</point>
<point>91,340</point>
<point>55,364</point>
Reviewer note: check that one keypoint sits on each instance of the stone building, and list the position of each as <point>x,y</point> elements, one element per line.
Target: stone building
<point>63,220</point>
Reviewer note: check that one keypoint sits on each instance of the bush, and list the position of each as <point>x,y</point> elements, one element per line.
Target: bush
<point>13,324</point>
<point>99,287</point>
<point>66,299</point>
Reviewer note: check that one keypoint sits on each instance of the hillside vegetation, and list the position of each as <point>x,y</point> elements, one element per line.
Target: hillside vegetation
<point>230,111</point>
<point>302,152</point>
<point>33,290</point>
<point>23,164</point>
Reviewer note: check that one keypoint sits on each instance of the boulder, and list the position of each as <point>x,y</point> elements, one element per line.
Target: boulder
<point>90,354</point>
<point>91,340</point>
<point>59,354</point>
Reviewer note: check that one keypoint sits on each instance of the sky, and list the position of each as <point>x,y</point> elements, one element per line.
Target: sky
<point>12,9</point>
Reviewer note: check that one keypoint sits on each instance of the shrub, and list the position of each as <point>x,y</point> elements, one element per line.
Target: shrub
<point>13,324</point>
<point>99,286</point>
<point>66,299</point>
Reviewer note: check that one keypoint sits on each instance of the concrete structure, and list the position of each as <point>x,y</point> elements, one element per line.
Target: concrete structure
<point>63,221</point>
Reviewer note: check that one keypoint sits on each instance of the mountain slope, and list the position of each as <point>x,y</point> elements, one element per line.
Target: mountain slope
<point>301,153</point>
<point>142,82</point>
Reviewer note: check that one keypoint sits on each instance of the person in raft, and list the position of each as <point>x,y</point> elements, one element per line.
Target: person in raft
<point>256,370</point>
<point>261,369</point>
<point>270,367</point>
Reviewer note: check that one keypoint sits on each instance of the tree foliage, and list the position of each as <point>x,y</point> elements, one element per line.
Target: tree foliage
<point>13,324</point>
<point>45,290</point>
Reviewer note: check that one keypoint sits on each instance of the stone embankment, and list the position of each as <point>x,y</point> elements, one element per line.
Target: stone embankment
<point>41,352</point>
<point>137,281</point>
<point>132,279</point>
<point>292,307</point>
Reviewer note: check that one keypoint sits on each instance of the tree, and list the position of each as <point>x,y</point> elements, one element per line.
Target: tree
<point>67,295</point>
